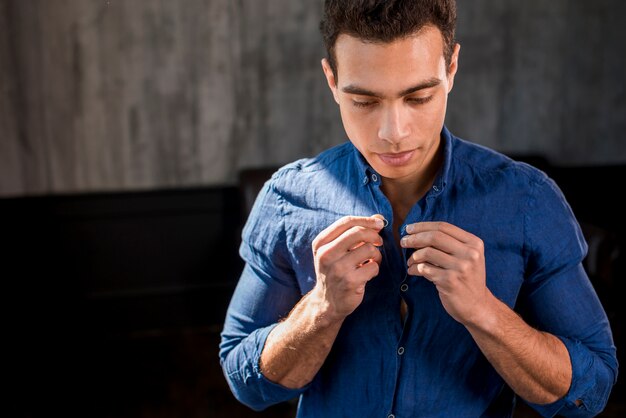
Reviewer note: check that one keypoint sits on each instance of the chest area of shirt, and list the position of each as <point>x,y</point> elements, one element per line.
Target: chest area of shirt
<point>502,239</point>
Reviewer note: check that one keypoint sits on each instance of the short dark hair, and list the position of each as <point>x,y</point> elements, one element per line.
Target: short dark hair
<point>385,21</point>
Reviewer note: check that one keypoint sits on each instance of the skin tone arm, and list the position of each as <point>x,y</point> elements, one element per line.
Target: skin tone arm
<point>535,364</point>
<point>346,258</point>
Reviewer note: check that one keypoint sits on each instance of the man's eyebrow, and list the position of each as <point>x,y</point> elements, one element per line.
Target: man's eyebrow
<point>432,82</point>
<point>353,89</point>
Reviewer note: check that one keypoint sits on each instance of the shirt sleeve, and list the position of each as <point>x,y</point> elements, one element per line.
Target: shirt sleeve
<point>557,297</point>
<point>266,293</point>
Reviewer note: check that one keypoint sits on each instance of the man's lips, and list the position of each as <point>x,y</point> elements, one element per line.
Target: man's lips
<point>396,159</point>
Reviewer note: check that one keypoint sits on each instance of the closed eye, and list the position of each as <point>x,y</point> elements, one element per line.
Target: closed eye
<point>419,100</point>
<point>363,104</point>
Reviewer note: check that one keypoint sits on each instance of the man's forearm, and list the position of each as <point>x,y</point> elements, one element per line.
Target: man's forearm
<point>297,347</point>
<point>535,364</point>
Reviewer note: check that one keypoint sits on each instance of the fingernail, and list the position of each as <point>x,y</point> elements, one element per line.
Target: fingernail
<point>409,228</point>
<point>381,223</point>
<point>403,241</point>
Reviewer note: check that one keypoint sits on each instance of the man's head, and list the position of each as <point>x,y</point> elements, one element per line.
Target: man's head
<point>391,66</point>
<point>383,21</point>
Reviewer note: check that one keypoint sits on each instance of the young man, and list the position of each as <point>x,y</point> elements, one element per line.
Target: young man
<point>384,277</point>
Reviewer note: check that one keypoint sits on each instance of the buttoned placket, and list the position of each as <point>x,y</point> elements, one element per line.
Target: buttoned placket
<point>415,215</point>
<point>401,346</point>
<point>383,206</point>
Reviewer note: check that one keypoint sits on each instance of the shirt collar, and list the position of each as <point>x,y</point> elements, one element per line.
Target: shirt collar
<point>366,171</point>
<point>363,168</point>
<point>443,176</point>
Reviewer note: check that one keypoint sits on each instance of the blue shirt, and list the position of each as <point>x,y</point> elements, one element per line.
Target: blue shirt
<point>428,365</point>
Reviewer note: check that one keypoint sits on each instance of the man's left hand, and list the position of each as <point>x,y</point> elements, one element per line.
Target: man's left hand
<point>454,260</point>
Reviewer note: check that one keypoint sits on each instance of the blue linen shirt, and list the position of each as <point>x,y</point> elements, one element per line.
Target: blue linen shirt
<point>428,365</point>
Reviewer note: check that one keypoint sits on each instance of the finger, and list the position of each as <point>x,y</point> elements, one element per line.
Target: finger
<point>353,260</point>
<point>428,271</point>
<point>357,267</point>
<point>382,218</point>
<point>444,227</point>
<point>355,237</point>
<point>362,276</point>
<point>350,240</point>
<point>342,225</point>
<point>434,257</point>
<point>436,239</point>
<point>367,273</point>
<point>362,256</point>
<point>368,268</point>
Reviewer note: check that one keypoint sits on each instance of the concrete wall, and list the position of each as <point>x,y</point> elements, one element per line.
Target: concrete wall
<point>102,95</point>
<point>543,77</point>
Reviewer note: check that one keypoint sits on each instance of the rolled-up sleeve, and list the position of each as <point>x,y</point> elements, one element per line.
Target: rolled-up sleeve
<point>266,293</point>
<point>557,297</point>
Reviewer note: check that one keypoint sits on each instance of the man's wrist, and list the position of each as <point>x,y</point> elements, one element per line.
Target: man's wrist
<point>486,315</point>
<point>322,311</point>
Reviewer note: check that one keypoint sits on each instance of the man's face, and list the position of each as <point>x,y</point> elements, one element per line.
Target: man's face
<point>392,98</point>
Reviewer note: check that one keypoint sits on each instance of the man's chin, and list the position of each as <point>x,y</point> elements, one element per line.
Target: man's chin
<point>393,173</point>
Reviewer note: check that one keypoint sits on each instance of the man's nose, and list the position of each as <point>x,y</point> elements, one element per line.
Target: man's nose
<point>394,125</point>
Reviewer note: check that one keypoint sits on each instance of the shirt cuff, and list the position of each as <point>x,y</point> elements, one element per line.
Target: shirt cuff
<point>248,383</point>
<point>592,394</point>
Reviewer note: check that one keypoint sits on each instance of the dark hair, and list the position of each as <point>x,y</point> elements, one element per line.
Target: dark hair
<point>386,21</point>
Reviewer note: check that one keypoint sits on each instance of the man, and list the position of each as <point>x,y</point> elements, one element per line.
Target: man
<point>384,277</point>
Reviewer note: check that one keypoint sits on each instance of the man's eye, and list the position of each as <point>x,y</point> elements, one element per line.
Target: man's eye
<point>419,100</point>
<point>362,104</point>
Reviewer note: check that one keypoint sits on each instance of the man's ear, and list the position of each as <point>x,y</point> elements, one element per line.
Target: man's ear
<point>330,78</point>
<point>454,66</point>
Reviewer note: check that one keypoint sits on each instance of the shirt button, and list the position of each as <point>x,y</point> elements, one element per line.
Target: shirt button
<point>374,178</point>
<point>404,287</point>
<point>365,180</point>
<point>400,351</point>
<point>391,416</point>
<point>435,188</point>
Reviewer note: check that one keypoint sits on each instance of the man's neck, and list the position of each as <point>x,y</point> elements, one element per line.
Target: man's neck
<point>404,192</point>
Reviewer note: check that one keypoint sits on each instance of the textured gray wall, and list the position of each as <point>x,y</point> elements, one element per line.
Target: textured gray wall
<point>543,77</point>
<point>121,95</point>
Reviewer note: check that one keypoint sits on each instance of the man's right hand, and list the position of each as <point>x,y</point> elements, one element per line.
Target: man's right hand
<point>346,258</point>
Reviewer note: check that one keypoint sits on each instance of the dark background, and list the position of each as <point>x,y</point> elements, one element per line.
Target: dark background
<point>126,132</point>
